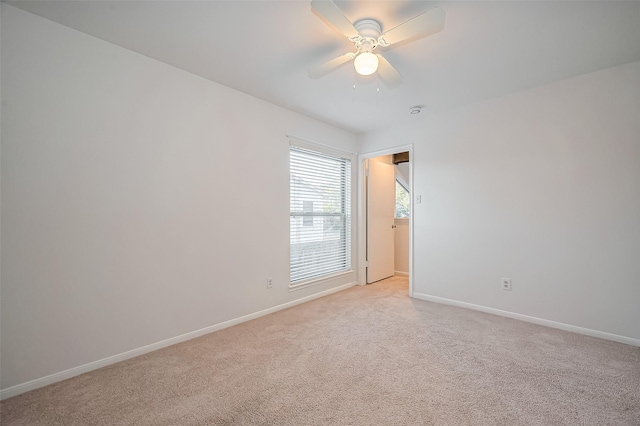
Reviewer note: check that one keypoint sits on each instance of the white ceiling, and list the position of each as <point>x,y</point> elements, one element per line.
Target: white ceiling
<point>264,48</point>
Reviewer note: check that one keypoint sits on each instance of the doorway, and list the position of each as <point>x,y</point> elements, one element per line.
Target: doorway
<point>385,241</point>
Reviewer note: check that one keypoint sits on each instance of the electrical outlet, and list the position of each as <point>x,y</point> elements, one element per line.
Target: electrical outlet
<point>269,282</point>
<point>506,284</point>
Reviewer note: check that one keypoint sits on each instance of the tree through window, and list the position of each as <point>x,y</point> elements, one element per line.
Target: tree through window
<point>402,201</point>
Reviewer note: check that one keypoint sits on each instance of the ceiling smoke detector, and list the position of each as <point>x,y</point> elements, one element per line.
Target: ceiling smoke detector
<point>416,109</point>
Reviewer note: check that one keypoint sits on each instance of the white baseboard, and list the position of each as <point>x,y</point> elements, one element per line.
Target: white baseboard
<point>534,320</point>
<point>75,371</point>
<point>402,273</point>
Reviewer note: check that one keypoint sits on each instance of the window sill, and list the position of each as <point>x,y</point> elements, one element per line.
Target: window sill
<point>319,280</point>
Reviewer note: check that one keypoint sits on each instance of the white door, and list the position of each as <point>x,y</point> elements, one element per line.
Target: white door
<point>381,204</point>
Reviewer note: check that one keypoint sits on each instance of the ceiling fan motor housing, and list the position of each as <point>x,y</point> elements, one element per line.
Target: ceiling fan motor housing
<point>369,30</point>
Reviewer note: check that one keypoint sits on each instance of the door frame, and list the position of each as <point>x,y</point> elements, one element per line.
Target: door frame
<point>362,212</point>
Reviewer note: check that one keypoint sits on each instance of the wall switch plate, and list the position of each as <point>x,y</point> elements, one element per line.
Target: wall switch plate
<point>418,199</point>
<point>506,284</point>
<point>269,282</point>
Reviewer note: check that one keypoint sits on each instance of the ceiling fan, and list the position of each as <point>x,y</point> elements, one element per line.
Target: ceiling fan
<point>366,35</point>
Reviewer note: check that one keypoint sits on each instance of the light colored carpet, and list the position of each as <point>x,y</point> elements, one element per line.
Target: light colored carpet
<point>364,356</point>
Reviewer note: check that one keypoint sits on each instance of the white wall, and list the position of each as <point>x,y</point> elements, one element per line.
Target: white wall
<point>124,184</point>
<point>402,173</point>
<point>385,159</point>
<point>543,187</point>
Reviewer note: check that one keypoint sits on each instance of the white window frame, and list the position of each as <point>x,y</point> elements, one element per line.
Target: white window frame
<point>350,236</point>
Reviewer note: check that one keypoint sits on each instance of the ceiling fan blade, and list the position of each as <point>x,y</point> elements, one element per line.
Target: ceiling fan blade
<point>331,65</point>
<point>430,22</point>
<point>389,75</point>
<point>333,15</point>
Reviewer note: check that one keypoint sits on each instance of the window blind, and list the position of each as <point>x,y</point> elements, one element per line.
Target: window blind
<point>320,214</point>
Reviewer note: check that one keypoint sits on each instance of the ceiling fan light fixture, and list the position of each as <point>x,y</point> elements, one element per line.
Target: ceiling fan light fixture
<point>366,63</point>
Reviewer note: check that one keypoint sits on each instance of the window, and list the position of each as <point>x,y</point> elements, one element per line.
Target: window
<point>320,214</point>
<point>307,207</point>
<point>402,201</point>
